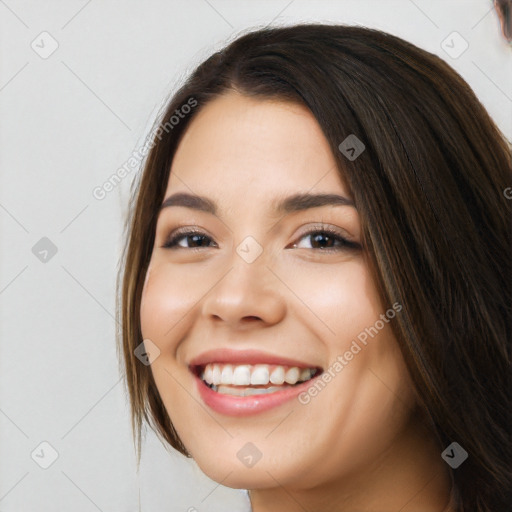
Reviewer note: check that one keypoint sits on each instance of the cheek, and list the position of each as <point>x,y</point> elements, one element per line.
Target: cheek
<point>336,301</point>
<point>370,393</point>
<point>167,299</point>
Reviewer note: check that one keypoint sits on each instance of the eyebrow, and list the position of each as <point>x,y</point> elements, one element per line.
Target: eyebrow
<point>294,203</point>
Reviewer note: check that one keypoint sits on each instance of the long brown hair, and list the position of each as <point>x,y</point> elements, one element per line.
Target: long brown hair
<point>436,223</point>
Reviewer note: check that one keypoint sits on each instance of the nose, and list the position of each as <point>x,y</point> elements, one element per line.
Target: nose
<point>248,295</point>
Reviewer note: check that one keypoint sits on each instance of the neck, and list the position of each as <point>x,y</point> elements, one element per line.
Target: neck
<point>409,476</point>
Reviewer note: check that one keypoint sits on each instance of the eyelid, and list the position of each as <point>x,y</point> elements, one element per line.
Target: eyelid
<point>321,226</point>
<point>346,241</point>
<point>182,232</point>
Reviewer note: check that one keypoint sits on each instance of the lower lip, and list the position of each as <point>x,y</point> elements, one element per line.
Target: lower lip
<point>246,405</point>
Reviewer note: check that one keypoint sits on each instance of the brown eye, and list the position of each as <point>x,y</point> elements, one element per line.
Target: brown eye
<point>326,240</point>
<point>193,240</point>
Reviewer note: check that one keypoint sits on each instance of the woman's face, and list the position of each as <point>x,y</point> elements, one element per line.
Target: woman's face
<point>259,294</point>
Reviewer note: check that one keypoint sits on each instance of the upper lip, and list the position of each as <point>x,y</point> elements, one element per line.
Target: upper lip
<point>251,357</point>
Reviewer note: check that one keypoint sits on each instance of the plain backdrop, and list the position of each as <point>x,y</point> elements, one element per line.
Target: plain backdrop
<point>80,85</point>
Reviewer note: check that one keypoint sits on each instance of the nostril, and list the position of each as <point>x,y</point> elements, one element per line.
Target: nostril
<point>250,318</point>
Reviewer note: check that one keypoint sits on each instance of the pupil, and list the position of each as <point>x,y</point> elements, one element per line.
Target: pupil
<point>196,239</point>
<point>318,237</point>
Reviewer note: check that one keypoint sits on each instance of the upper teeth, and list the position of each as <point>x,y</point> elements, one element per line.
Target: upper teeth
<point>256,375</point>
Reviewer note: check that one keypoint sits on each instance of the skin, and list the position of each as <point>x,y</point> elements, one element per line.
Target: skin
<point>359,445</point>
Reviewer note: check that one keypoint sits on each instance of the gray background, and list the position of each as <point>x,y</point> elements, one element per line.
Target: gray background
<point>68,121</point>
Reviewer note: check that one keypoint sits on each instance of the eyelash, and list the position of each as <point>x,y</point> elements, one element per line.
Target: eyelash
<point>343,243</point>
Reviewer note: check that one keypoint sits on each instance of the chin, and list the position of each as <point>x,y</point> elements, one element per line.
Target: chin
<point>238,477</point>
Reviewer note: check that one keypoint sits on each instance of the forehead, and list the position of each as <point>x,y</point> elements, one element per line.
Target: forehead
<point>241,147</point>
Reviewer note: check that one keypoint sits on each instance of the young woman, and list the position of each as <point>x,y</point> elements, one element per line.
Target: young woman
<point>316,291</point>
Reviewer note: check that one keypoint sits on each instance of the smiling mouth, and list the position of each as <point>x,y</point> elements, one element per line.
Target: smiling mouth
<point>246,380</point>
